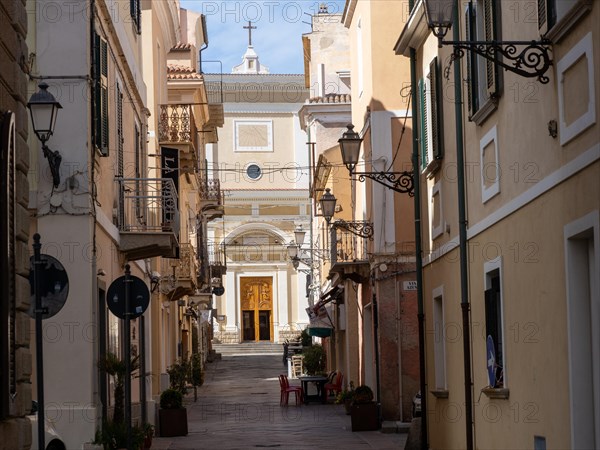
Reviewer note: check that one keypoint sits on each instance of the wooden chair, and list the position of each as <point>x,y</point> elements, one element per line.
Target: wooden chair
<point>286,389</point>
<point>335,387</point>
<point>297,361</point>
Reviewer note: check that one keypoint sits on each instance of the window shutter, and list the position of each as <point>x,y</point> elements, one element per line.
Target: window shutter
<point>489,29</point>
<point>120,137</point>
<point>437,141</point>
<point>472,82</point>
<point>546,15</point>
<point>136,14</point>
<point>423,111</point>
<point>101,95</point>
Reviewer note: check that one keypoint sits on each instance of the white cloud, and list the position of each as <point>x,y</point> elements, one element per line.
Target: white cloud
<point>277,39</point>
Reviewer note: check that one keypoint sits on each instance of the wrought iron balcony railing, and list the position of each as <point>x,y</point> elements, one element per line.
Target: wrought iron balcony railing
<point>210,191</point>
<point>346,246</point>
<point>187,267</point>
<point>147,205</point>
<point>176,125</point>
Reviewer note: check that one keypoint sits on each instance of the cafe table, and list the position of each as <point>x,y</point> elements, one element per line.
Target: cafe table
<point>319,381</point>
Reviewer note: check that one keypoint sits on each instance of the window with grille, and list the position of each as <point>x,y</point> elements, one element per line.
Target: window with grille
<point>136,15</point>
<point>493,323</point>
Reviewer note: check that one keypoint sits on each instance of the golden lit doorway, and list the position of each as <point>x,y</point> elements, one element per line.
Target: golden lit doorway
<point>256,303</point>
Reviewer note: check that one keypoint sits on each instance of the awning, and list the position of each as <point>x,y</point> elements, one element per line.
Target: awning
<point>320,332</point>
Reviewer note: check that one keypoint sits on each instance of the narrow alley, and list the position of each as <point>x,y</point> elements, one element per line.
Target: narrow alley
<point>238,408</point>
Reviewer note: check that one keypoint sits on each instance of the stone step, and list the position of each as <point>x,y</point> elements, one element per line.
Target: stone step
<point>249,348</point>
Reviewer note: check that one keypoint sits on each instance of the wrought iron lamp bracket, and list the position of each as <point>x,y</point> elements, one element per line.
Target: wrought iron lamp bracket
<point>530,59</point>
<point>360,228</point>
<point>401,182</point>
<point>54,159</point>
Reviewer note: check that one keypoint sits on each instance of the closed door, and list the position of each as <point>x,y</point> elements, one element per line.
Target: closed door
<point>256,304</point>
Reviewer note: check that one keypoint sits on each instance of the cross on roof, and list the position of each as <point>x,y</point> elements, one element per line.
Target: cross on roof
<point>249,28</point>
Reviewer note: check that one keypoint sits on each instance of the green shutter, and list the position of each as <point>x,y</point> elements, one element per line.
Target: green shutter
<point>120,137</point>
<point>437,137</point>
<point>546,15</point>
<point>490,34</point>
<point>423,124</point>
<point>101,95</point>
<point>472,78</point>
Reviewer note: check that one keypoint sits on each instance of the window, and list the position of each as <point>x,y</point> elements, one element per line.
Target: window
<point>254,172</point>
<point>550,12</point>
<point>439,345</point>
<point>8,213</point>
<point>101,95</point>
<point>359,56</point>
<point>493,322</point>
<point>431,131</point>
<point>483,83</point>
<point>136,14</point>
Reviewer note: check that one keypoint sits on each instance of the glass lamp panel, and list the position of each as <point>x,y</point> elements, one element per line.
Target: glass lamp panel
<point>440,13</point>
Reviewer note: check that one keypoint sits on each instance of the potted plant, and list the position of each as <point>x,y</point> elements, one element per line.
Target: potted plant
<point>148,431</point>
<point>172,415</point>
<point>314,359</point>
<point>115,367</point>
<point>113,436</point>
<point>363,412</point>
<point>345,398</point>
<point>179,375</point>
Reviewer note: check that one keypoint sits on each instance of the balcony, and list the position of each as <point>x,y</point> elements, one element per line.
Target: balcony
<point>147,218</point>
<point>211,199</point>
<point>185,271</point>
<point>216,260</point>
<point>177,127</point>
<point>349,255</point>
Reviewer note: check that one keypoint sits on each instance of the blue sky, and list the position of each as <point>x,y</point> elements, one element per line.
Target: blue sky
<point>277,39</point>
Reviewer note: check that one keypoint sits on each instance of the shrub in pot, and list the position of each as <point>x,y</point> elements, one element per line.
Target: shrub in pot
<point>314,359</point>
<point>364,413</point>
<point>172,415</point>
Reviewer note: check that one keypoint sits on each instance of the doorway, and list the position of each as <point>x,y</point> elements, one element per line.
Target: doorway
<point>256,304</point>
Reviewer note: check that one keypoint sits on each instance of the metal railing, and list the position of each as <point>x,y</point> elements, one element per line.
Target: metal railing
<point>347,247</point>
<point>176,124</point>
<point>210,190</point>
<point>148,205</point>
<point>216,254</point>
<point>187,268</point>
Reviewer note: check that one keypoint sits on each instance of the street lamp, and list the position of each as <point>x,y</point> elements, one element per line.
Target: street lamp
<point>44,109</point>
<point>350,143</point>
<point>532,61</point>
<point>299,234</point>
<point>327,203</point>
<point>359,228</point>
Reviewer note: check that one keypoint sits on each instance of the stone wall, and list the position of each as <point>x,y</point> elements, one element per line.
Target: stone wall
<point>15,431</point>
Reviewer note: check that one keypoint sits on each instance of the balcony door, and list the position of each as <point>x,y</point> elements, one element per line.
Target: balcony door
<point>256,304</point>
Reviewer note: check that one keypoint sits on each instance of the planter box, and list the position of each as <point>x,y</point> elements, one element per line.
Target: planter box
<point>173,422</point>
<point>364,417</point>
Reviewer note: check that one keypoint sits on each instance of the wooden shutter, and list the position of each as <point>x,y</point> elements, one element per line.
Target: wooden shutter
<point>423,128</point>
<point>546,10</point>
<point>136,14</point>
<point>120,137</point>
<point>472,77</point>
<point>489,31</point>
<point>437,136</point>
<point>101,96</point>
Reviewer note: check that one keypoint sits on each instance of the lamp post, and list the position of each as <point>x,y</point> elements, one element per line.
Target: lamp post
<point>44,109</point>
<point>327,203</point>
<point>350,143</point>
<point>526,58</point>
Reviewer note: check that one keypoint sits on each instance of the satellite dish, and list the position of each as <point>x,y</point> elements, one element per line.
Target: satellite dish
<point>54,286</point>
<point>491,361</point>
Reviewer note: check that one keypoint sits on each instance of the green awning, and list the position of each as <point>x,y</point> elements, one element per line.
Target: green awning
<point>320,331</point>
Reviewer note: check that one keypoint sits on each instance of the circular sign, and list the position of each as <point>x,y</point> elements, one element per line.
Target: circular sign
<point>54,286</point>
<point>218,291</point>
<point>139,297</point>
<point>491,361</point>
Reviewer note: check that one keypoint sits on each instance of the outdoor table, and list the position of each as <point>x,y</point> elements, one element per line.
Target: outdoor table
<point>320,381</point>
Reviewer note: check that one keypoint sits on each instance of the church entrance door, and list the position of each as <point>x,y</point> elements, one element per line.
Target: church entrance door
<point>256,304</point>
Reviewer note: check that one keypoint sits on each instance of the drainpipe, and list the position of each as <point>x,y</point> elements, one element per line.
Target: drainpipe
<point>462,234</point>
<point>418,250</point>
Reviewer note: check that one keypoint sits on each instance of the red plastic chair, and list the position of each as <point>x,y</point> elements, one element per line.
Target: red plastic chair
<point>336,386</point>
<point>286,389</point>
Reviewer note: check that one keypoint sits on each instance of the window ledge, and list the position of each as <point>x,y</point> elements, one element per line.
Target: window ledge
<point>433,166</point>
<point>499,393</point>
<point>485,111</point>
<point>440,393</point>
<point>565,24</point>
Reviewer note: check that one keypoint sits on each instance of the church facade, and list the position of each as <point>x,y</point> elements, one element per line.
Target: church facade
<point>262,161</point>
